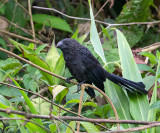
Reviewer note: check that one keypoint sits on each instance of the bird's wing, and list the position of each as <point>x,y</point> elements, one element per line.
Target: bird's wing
<point>93,69</point>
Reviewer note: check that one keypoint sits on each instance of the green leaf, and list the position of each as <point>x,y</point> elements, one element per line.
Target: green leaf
<point>53,128</point>
<point>9,63</point>
<point>152,113</point>
<point>155,105</point>
<point>151,56</point>
<point>139,104</point>
<point>41,106</point>
<point>31,46</point>
<point>40,48</point>
<point>73,101</point>
<point>4,101</point>
<point>30,83</point>
<point>135,8</point>
<point>50,20</point>
<point>117,96</point>
<point>59,69</point>
<point>30,105</point>
<point>3,43</point>
<point>149,81</point>
<point>90,128</point>
<point>90,104</point>
<point>75,35</point>
<point>58,92</point>
<point>71,124</point>
<point>38,61</point>
<point>94,37</point>
<point>22,47</point>
<point>52,57</point>
<point>144,67</point>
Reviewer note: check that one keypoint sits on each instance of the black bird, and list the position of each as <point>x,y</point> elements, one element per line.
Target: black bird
<point>85,68</point>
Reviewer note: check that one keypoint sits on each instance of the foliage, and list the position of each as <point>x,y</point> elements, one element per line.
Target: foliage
<point>111,46</point>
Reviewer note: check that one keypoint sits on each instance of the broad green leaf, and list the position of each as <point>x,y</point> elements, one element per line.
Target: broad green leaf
<point>139,104</point>
<point>90,128</point>
<point>75,35</point>
<point>151,56</point>
<point>59,69</point>
<point>94,37</point>
<point>144,67</point>
<point>50,20</point>
<point>30,83</point>
<point>58,92</point>
<point>53,128</point>
<point>120,101</point>
<point>155,105</point>
<point>149,81</point>
<point>31,46</point>
<point>4,101</point>
<point>38,61</point>
<point>22,47</point>
<point>41,106</point>
<point>71,124</point>
<point>9,63</point>
<point>52,57</point>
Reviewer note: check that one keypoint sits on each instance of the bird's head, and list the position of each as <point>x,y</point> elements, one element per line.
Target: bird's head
<point>66,44</point>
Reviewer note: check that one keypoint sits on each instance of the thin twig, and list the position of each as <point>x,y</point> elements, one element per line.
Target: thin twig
<point>3,3</point>
<point>80,105</point>
<point>27,120</point>
<point>151,47</point>
<point>135,129</point>
<point>72,118</point>
<point>21,37</point>
<point>102,8</point>
<point>31,20</point>
<point>109,24</point>
<point>15,25</point>
<point>56,118</point>
<point>22,7</point>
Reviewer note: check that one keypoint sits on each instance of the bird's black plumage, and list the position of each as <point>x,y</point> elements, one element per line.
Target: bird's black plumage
<point>86,68</point>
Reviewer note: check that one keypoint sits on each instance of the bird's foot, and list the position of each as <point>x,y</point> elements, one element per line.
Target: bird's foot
<point>68,80</point>
<point>79,85</point>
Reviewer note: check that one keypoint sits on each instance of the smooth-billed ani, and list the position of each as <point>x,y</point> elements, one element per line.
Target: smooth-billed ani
<point>86,69</point>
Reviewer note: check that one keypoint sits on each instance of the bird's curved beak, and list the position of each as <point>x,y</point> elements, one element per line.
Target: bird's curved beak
<point>59,44</point>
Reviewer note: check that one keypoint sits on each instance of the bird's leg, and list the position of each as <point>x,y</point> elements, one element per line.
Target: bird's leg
<point>79,85</point>
<point>68,79</point>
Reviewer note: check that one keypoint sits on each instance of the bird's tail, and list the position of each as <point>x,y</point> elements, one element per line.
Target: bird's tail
<point>127,84</point>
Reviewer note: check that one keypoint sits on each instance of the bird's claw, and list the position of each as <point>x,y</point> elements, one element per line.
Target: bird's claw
<point>78,87</point>
<point>68,80</point>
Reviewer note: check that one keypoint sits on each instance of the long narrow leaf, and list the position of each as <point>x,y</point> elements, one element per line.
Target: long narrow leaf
<point>94,37</point>
<point>139,104</point>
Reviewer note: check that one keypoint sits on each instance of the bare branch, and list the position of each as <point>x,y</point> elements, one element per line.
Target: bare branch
<point>72,118</point>
<point>87,19</point>
<point>31,20</point>
<point>18,36</point>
